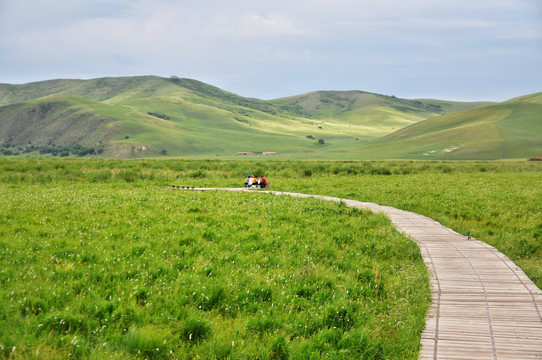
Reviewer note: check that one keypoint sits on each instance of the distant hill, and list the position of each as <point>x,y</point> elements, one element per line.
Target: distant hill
<point>153,116</point>
<point>511,129</point>
<point>380,113</point>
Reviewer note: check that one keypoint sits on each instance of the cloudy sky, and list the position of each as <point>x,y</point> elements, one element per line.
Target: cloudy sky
<point>446,49</point>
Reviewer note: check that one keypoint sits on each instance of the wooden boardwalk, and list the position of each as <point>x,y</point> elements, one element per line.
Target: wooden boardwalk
<point>483,307</point>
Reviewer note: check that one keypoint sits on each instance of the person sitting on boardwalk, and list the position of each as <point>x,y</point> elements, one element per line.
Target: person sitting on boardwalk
<point>263,183</point>
<point>247,180</point>
<point>250,181</point>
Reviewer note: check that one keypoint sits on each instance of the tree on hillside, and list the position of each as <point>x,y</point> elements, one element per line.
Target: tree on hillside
<point>321,141</point>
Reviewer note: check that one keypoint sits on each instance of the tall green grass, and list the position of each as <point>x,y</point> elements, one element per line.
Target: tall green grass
<point>116,266</point>
<point>496,202</point>
<point>98,260</point>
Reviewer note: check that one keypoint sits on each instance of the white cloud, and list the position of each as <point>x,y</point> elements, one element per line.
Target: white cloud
<point>248,45</point>
<point>274,23</point>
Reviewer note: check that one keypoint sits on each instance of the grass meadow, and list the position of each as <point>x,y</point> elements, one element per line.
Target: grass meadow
<point>98,260</point>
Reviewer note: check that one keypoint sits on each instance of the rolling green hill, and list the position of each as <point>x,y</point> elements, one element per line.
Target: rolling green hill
<point>510,129</point>
<point>154,116</point>
<point>380,113</point>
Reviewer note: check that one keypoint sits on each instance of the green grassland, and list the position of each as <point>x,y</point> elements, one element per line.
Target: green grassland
<point>150,116</point>
<point>100,266</point>
<point>98,260</point>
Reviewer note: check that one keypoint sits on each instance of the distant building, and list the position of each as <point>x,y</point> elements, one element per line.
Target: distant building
<point>265,153</point>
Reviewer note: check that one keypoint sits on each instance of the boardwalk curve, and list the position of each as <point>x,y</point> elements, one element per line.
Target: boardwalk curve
<point>483,305</point>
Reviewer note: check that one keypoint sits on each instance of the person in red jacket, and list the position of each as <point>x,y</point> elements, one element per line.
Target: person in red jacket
<point>263,183</point>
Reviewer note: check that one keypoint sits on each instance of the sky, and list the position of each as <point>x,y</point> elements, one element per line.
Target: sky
<point>442,49</point>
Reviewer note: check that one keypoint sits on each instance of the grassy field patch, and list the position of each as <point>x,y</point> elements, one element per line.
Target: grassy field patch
<point>98,260</point>
<point>129,270</point>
